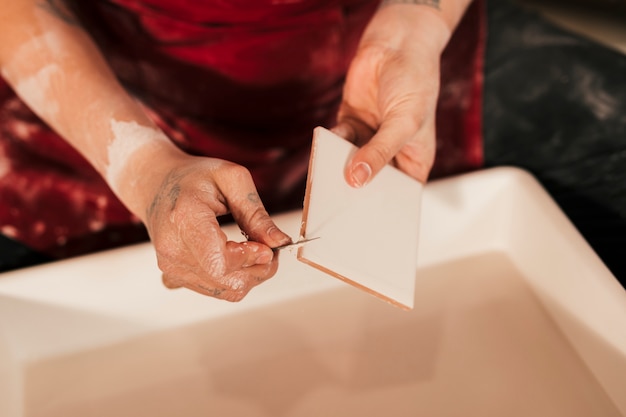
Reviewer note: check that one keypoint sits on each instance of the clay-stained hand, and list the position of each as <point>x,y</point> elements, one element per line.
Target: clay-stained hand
<point>192,250</point>
<point>391,91</point>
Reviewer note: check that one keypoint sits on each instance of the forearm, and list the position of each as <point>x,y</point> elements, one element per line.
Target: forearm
<point>59,72</point>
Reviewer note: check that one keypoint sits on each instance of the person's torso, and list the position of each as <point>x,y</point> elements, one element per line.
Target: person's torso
<point>254,63</point>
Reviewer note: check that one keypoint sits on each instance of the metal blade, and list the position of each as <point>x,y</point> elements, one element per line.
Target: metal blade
<point>294,244</point>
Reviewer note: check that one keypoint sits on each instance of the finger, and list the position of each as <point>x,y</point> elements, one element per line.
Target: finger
<point>247,278</point>
<point>246,265</point>
<point>352,128</point>
<point>392,135</point>
<point>215,260</point>
<point>248,211</point>
<point>232,287</point>
<point>240,255</point>
<point>262,273</point>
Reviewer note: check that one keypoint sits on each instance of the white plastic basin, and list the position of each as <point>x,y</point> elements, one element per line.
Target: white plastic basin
<point>514,316</point>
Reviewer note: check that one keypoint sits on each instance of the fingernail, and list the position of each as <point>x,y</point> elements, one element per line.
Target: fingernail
<point>361,174</point>
<point>278,236</point>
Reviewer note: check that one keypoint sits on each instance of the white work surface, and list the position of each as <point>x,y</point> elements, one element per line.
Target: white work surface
<point>514,316</point>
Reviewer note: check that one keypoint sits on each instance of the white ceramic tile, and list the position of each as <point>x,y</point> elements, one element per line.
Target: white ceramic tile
<point>367,236</point>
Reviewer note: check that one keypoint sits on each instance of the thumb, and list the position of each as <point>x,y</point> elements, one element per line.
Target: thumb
<point>367,162</point>
<point>257,225</point>
<point>248,211</point>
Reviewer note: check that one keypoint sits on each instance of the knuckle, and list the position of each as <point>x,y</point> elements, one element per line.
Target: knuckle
<point>238,172</point>
<point>258,220</point>
<point>175,277</point>
<point>169,281</point>
<point>414,123</point>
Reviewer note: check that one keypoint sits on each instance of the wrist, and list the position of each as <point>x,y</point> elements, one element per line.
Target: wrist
<point>141,173</point>
<point>399,24</point>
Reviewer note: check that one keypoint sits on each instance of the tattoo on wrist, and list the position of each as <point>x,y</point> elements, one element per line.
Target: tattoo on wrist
<point>170,189</point>
<point>431,3</point>
<point>59,9</point>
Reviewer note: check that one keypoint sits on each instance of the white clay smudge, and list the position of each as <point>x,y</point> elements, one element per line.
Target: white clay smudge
<point>35,91</point>
<point>128,138</point>
<point>33,74</point>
